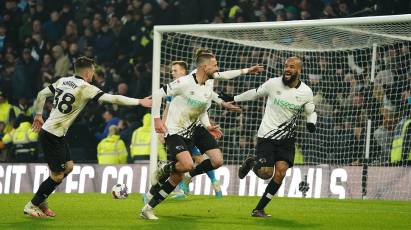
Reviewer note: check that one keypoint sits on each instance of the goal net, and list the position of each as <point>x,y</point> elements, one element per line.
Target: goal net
<point>359,71</point>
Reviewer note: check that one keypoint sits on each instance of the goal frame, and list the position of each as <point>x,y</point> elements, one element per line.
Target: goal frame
<point>160,30</point>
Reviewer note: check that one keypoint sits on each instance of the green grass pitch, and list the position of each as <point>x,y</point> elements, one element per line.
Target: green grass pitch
<point>100,211</point>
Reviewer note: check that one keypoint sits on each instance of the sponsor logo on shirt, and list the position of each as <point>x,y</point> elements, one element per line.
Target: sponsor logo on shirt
<point>286,104</point>
<point>195,103</point>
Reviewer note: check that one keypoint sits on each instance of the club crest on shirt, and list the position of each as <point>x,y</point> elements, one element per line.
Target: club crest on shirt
<point>278,92</point>
<point>191,92</point>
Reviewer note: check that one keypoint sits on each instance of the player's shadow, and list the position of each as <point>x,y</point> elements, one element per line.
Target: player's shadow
<point>188,200</point>
<point>189,221</point>
<point>186,217</point>
<point>283,223</point>
<point>27,223</point>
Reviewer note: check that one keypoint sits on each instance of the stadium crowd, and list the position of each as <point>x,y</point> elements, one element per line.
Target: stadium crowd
<point>41,39</point>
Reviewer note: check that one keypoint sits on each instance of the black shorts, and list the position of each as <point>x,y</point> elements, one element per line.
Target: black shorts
<point>56,151</point>
<point>270,151</point>
<point>201,139</point>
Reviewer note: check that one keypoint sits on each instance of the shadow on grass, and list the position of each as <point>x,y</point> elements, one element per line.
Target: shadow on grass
<point>198,222</point>
<point>284,223</point>
<point>27,223</point>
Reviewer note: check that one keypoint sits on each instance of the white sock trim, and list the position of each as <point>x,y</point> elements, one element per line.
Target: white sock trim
<point>163,193</point>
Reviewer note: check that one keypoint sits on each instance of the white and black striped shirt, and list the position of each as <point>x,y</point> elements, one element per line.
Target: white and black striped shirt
<point>284,105</point>
<point>188,107</point>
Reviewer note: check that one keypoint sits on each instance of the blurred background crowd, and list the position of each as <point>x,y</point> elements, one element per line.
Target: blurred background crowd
<point>41,39</point>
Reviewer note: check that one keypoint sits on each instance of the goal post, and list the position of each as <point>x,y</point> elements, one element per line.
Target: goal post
<point>359,71</point>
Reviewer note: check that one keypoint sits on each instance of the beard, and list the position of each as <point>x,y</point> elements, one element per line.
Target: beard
<point>288,82</point>
<point>210,75</point>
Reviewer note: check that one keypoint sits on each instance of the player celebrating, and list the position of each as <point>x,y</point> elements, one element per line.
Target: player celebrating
<point>288,97</point>
<point>179,69</point>
<point>191,98</point>
<point>71,94</point>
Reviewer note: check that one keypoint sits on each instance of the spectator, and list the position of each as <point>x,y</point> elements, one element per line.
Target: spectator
<point>22,141</point>
<point>38,46</point>
<point>47,70</point>
<point>110,119</point>
<point>23,108</point>
<point>104,44</point>
<point>140,147</point>
<point>40,14</point>
<point>112,150</point>
<point>86,40</point>
<point>6,79</point>
<point>62,61</point>
<point>6,113</point>
<point>3,38</point>
<point>383,135</point>
<point>71,34</point>
<point>401,144</point>
<point>12,19</point>
<point>26,78</point>
<point>305,15</point>
<point>53,28</point>
<point>73,54</point>
<point>328,12</point>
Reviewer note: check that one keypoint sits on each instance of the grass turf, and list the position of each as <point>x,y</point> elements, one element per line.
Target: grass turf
<point>100,211</point>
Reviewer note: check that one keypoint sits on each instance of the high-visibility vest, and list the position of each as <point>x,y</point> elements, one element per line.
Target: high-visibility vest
<point>398,141</point>
<point>4,112</point>
<point>22,138</point>
<point>233,11</point>
<point>8,137</point>
<point>4,115</point>
<point>141,144</point>
<point>28,112</point>
<point>112,150</point>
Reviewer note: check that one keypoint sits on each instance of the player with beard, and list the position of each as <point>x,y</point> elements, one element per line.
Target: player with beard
<point>288,97</point>
<point>187,125</point>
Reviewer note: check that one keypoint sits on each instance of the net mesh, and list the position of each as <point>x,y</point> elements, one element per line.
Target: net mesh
<point>337,65</point>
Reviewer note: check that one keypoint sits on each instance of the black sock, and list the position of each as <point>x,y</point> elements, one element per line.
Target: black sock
<point>203,167</point>
<point>270,191</point>
<point>163,179</point>
<point>45,189</point>
<point>160,195</point>
<point>155,188</point>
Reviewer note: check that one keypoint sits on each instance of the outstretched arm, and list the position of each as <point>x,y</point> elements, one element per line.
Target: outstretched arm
<point>249,95</point>
<point>253,94</point>
<point>228,75</point>
<point>93,93</point>
<point>122,100</point>
<point>229,106</point>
